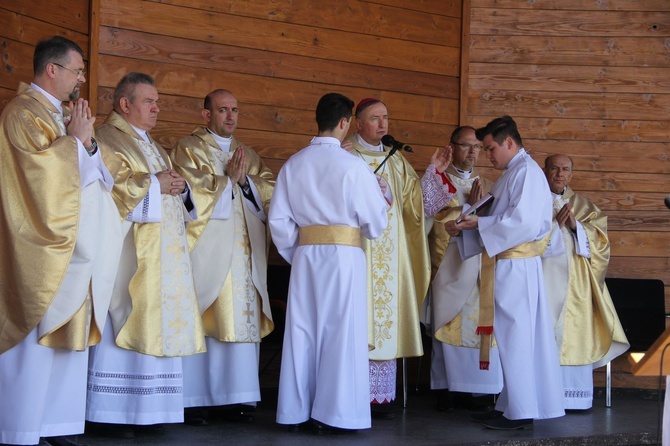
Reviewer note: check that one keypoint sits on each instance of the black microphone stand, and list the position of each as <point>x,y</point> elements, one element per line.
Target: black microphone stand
<point>393,150</point>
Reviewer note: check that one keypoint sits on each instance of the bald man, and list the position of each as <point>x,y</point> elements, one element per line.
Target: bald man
<point>587,328</point>
<point>228,244</point>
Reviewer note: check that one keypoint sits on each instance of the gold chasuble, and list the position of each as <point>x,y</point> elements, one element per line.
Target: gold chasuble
<point>398,261</point>
<point>229,256</point>
<point>40,196</point>
<point>586,340</point>
<point>154,309</point>
<point>457,311</point>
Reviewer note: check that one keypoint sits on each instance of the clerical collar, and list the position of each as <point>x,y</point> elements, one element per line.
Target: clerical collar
<point>223,142</point>
<point>561,194</point>
<point>142,133</point>
<point>54,100</point>
<point>378,148</point>
<point>465,174</point>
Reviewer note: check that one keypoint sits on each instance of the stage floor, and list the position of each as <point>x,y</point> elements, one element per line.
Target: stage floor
<point>632,420</point>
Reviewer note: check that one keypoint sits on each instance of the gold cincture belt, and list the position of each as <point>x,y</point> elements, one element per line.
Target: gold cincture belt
<point>329,235</point>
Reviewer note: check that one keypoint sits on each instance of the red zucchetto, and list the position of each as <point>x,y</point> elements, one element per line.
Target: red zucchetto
<point>365,103</point>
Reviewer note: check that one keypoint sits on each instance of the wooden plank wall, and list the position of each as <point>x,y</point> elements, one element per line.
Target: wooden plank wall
<point>588,78</point>
<point>26,23</point>
<point>280,57</point>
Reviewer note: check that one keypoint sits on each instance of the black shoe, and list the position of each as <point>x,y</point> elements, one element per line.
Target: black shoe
<point>324,429</point>
<point>236,416</point>
<point>195,416</point>
<point>122,431</point>
<point>384,411</point>
<point>306,426</point>
<point>149,429</point>
<point>445,401</point>
<point>486,416</point>
<point>62,441</point>
<point>502,423</point>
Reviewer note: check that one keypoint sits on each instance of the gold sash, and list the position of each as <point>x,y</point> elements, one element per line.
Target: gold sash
<point>330,235</point>
<point>486,293</point>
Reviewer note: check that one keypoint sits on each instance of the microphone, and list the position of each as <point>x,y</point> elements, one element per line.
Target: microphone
<point>389,140</point>
<point>667,201</point>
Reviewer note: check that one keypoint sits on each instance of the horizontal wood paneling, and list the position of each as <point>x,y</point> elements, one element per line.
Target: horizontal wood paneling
<point>583,105</point>
<point>28,29</point>
<point>173,50</point>
<point>578,51</point>
<point>449,8</point>
<point>26,23</point>
<point>644,81</point>
<point>71,15</point>
<point>14,57</point>
<point>600,155</point>
<point>624,131</point>
<point>639,221</point>
<point>287,38</point>
<point>587,78</point>
<point>578,5</point>
<point>639,244</point>
<point>547,22</point>
<point>600,51</point>
<point>379,19</point>
<point>280,57</point>
<point>197,82</point>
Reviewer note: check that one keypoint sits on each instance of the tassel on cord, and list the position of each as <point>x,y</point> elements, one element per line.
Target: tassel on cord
<point>484,330</point>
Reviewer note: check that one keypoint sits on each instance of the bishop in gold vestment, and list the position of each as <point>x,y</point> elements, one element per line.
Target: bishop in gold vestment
<point>60,234</point>
<point>135,374</point>
<point>398,261</point>
<point>232,189</point>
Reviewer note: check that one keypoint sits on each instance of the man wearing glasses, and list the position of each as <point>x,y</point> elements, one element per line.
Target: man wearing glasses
<point>451,183</point>
<point>61,235</point>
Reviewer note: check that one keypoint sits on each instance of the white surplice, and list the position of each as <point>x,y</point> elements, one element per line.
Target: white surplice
<point>521,212</point>
<point>324,370</point>
<point>454,291</point>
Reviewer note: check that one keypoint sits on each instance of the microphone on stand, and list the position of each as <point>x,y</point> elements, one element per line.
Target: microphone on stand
<point>390,141</point>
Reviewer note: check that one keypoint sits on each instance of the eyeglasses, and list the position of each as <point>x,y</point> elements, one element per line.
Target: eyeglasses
<point>79,73</point>
<point>469,146</point>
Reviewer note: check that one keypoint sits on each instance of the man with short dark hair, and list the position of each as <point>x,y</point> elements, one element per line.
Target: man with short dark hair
<point>324,200</point>
<point>515,311</point>
<point>61,238</point>
<point>135,376</point>
<point>587,328</point>
<point>232,187</point>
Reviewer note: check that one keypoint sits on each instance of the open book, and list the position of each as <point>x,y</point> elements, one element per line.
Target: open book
<point>475,208</point>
